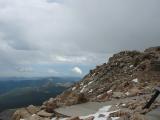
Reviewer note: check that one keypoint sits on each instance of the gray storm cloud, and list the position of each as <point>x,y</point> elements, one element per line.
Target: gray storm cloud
<point>74,31</point>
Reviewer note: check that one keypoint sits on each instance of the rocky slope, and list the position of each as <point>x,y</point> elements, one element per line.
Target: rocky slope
<point>127,74</point>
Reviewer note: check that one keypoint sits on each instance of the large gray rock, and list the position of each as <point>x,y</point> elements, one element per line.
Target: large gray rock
<point>20,114</point>
<point>32,109</point>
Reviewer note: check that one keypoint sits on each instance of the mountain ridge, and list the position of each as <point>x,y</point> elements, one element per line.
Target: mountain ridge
<point>127,74</point>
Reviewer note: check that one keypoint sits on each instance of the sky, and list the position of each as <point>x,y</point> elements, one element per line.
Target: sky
<point>70,37</point>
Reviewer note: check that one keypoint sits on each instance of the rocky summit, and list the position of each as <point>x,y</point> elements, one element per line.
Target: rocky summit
<point>128,75</point>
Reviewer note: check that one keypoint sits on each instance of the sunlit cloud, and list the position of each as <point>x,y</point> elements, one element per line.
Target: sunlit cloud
<point>77,70</point>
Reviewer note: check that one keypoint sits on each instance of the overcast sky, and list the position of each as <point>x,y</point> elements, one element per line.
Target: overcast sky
<point>69,37</point>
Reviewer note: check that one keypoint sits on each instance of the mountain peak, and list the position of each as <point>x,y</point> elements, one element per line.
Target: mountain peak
<point>126,75</point>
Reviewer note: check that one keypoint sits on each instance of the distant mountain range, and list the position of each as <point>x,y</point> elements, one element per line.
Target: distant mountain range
<point>19,92</point>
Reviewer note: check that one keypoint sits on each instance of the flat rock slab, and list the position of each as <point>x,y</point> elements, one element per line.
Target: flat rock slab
<point>43,113</point>
<point>154,114</point>
<point>92,107</point>
<point>81,109</point>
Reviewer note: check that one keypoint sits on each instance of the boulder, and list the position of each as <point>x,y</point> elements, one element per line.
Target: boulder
<point>20,114</point>
<point>134,91</point>
<point>75,98</point>
<point>50,106</point>
<point>32,109</point>
<point>43,113</point>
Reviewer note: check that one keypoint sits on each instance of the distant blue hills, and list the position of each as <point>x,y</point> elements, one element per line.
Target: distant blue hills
<point>18,92</point>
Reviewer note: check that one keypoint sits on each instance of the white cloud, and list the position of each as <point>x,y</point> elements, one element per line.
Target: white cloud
<point>37,32</point>
<point>25,69</point>
<point>52,71</point>
<point>77,70</point>
<point>61,59</point>
<point>71,59</point>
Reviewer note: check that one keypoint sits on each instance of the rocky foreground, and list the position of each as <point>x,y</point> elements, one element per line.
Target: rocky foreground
<point>127,74</point>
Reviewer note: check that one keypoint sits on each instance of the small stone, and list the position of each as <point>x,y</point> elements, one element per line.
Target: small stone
<point>138,116</point>
<point>101,115</point>
<point>74,118</point>
<point>89,118</point>
<point>118,95</point>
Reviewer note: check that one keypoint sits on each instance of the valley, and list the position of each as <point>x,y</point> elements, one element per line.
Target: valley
<point>16,92</point>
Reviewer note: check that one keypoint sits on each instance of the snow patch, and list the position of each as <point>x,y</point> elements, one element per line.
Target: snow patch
<point>131,66</point>
<point>135,80</point>
<point>90,91</point>
<point>105,108</point>
<point>73,88</point>
<point>109,91</point>
<point>99,95</point>
<point>123,105</point>
<point>101,114</point>
<point>90,82</point>
<point>82,90</point>
<point>93,74</point>
<point>82,84</point>
<point>34,115</point>
<point>127,93</point>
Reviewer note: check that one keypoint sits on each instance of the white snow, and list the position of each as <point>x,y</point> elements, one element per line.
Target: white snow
<point>127,93</point>
<point>73,88</point>
<point>109,91</point>
<point>101,114</point>
<point>101,89</point>
<point>90,82</point>
<point>93,74</point>
<point>131,66</point>
<point>82,84</point>
<point>135,80</point>
<point>99,95</point>
<point>123,105</point>
<point>105,108</point>
<point>90,91</point>
<point>117,105</point>
<point>82,90</point>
